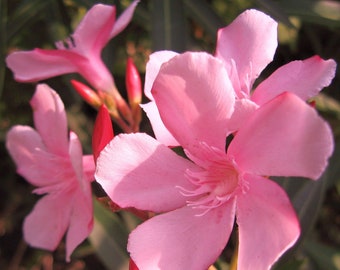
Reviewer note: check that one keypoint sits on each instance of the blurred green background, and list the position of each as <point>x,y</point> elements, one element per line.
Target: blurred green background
<point>307,27</point>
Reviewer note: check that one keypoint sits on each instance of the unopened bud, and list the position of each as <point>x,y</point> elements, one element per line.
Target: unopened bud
<point>132,265</point>
<point>134,91</point>
<point>87,93</point>
<point>102,131</point>
<point>133,83</point>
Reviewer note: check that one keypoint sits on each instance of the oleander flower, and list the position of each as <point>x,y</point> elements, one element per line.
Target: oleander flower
<point>196,199</point>
<point>246,47</point>
<point>80,53</point>
<point>53,162</point>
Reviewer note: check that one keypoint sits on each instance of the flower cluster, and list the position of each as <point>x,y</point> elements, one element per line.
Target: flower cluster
<point>199,101</point>
<point>52,160</point>
<point>81,53</point>
<point>234,136</point>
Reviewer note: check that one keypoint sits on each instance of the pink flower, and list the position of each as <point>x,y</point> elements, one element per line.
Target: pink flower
<point>78,54</point>
<point>53,162</point>
<point>246,47</point>
<point>198,198</point>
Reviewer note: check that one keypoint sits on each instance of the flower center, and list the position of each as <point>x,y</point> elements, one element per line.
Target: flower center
<point>215,184</point>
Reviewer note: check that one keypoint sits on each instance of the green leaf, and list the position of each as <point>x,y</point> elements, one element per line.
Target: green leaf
<point>325,13</point>
<point>306,197</point>
<point>26,13</point>
<point>168,25</point>
<point>203,14</point>
<point>327,105</point>
<point>275,11</point>
<point>325,257</point>
<point>333,167</point>
<point>307,203</point>
<point>3,38</point>
<point>109,238</point>
<point>292,264</point>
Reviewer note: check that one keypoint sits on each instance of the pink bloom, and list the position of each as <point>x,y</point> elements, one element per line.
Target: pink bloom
<point>53,162</point>
<point>198,198</point>
<point>246,47</point>
<point>78,54</point>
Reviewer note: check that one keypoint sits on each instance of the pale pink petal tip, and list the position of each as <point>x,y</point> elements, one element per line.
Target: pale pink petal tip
<point>250,41</point>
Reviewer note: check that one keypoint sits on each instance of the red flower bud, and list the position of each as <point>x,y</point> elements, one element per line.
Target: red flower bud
<point>87,93</point>
<point>102,131</point>
<point>134,91</point>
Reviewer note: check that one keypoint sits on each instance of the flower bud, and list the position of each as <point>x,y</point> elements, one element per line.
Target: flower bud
<point>134,91</point>
<point>87,93</point>
<point>132,265</point>
<point>102,131</point>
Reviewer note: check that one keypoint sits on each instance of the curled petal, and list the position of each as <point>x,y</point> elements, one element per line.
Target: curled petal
<point>152,68</point>
<point>250,40</point>
<point>148,176</point>
<point>284,137</point>
<point>194,106</point>
<point>303,78</point>
<point>182,240</point>
<point>267,224</point>
<point>162,134</point>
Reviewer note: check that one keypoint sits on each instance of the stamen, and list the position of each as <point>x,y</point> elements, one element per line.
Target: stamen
<point>67,44</point>
<point>215,184</point>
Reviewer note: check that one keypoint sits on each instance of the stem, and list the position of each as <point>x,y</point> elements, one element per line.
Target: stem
<point>18,255</point>
<point>233,263</point>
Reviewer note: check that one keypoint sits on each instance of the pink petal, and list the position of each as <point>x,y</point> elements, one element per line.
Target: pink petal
<point>88,64</point>
<point>89,167</point>
<point>243,109</point>
<point>23,143</point>
<point>161,133</point>
<point>76,154</point>
<point>81,220</point>
<point>304,78</point>
<point>182,240</point>
<point>50,119</point>
<point>45,226</point>
<point>36,65</point>
<point>194,105</point>
<point>137,171</point>
<point>267,224</point>
<point>250,40</point>
<point>284,137</point>
<point>124,19</point>
<point>93,32</point>
<point>156,59</point>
